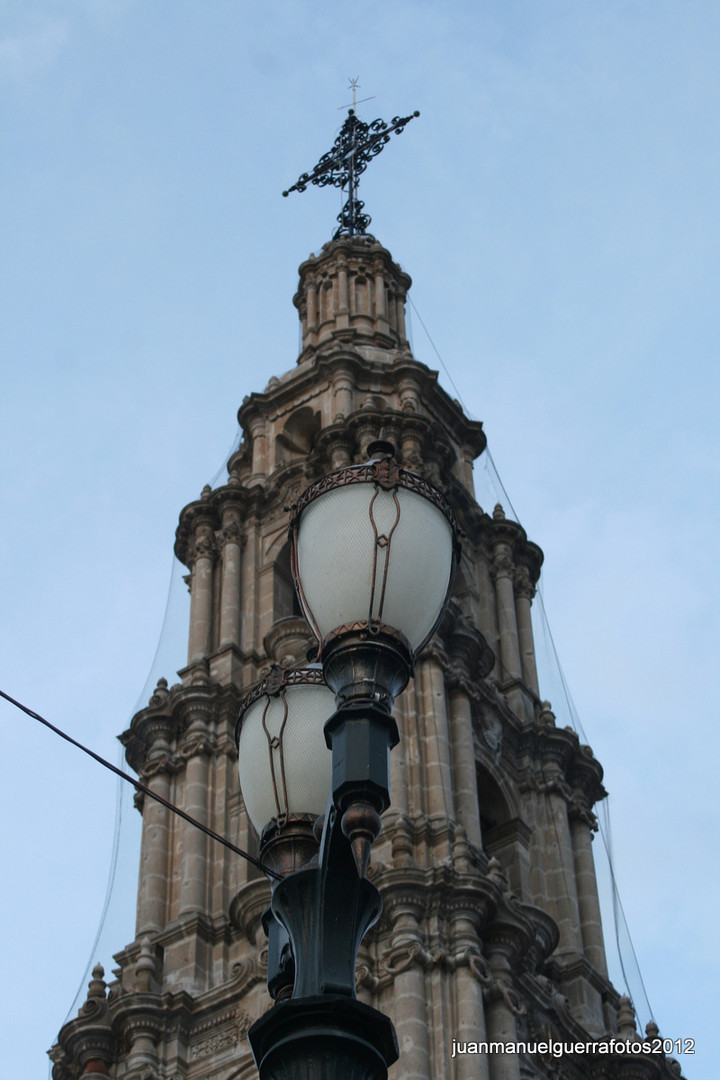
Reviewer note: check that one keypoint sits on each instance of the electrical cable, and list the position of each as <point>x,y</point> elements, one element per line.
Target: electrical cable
<point>142,787</point>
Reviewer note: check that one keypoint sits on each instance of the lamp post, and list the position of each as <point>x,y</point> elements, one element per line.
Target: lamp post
<point>373,552</point>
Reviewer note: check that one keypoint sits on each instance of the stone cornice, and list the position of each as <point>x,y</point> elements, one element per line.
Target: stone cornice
<point>558,762</point>
<point>521,935</point>
<point>507,548</point>
<point>204,1022</point>
<point>469,655</point>
<point>136,1012</point>
<point>194,719</point>
<point>207,512</point>
<point>562,968</point>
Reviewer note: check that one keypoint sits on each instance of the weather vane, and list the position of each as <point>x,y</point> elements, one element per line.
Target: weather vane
<point>356,145</point>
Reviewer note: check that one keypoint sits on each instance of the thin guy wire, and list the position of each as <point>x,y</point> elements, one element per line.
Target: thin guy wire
<point>435,349</point>
<point>233,447</point>
<point>108,892</point>
<point>617,902</point>
<point>143,693</point>
<point>604,830</point>
<point>141,787</point>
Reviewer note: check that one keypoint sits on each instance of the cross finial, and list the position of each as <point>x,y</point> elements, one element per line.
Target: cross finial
<point>356,145</point>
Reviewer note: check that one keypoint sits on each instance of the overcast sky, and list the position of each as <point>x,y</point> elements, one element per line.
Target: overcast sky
<point>556,206</point>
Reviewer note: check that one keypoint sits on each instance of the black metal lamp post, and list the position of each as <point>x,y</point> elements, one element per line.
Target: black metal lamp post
<point>374,548</point>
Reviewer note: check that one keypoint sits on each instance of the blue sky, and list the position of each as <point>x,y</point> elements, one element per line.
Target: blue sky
<point>556,206</point>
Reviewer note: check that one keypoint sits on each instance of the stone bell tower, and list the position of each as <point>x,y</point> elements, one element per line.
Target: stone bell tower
<point>491,924</point>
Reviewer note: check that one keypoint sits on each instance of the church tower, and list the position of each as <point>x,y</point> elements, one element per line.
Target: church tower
<point>491,925</point>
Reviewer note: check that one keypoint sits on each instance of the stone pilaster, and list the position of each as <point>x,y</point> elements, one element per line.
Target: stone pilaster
<point>201,592</point>
<point>502,570</point>
<point>501,1008</point>
<point>196,750</point>
<point>524,593</point>
<point>430,686</point>
<point>465,789</point>
<point>230,592</point>
<point>560,884</point>
<point>581,823</point>
<point>154,851</point>
<point>152,888</point>
<point>472,974</point>
<point>343,384</point>
<point>260,450</point>
<point>411,1019</point>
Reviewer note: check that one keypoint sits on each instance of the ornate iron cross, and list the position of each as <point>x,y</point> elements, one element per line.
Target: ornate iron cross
<point>356,145</point>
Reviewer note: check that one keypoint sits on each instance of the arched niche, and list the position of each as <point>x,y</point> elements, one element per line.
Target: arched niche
<point>298,435</point>
<point>504,835</point>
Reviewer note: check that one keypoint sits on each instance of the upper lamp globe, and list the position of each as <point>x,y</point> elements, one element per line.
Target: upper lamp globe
<point>373,552</point>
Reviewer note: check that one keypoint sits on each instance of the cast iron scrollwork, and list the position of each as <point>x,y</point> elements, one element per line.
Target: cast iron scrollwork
<point>354,148</point>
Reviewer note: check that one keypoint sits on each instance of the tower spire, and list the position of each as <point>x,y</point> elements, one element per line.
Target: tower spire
<point>356,145</point>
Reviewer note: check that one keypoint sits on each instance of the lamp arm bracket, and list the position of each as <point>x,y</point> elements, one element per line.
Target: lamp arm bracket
<point>327,909</point>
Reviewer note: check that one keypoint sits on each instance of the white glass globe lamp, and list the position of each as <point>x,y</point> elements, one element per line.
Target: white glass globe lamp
<point>373,552</point>
<point>284,762</point>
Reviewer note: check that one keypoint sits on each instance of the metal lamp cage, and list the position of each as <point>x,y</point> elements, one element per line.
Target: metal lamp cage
<point>284,763</point>
<point>346,572</point>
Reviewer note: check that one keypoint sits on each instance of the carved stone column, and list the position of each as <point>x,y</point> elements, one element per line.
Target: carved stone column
<point>249,588</point>
<point>560,866</point>
<point>230,594</point>
<point>502,1007</point>
<point>194,863</point>
<point>152,889</point>
<point>402,845</point>
<point>412,451</point>
<point>524,593</point>
<point>142,1030</point>
<point>152,886</point>
<point>341,454</point>
<point>311,317</point>
<point>343,307</point>
<point>343,390</point>
<point>409,396</point>
<point>201,598</point>
<point>258,435</point>
<point>463,765</point>
<point>471,975</point>
<point>400,315</point>
<point>403,960</point>
<point>381,319</point>
<point>502,570</point>
<point>581,821</point>
<point>433,712</point>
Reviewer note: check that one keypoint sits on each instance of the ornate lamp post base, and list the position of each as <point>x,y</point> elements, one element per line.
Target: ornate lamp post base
<point>326,1037</point>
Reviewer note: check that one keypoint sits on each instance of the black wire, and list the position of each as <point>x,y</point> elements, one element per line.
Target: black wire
<point>141,787</point>
<point>574,718</point>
